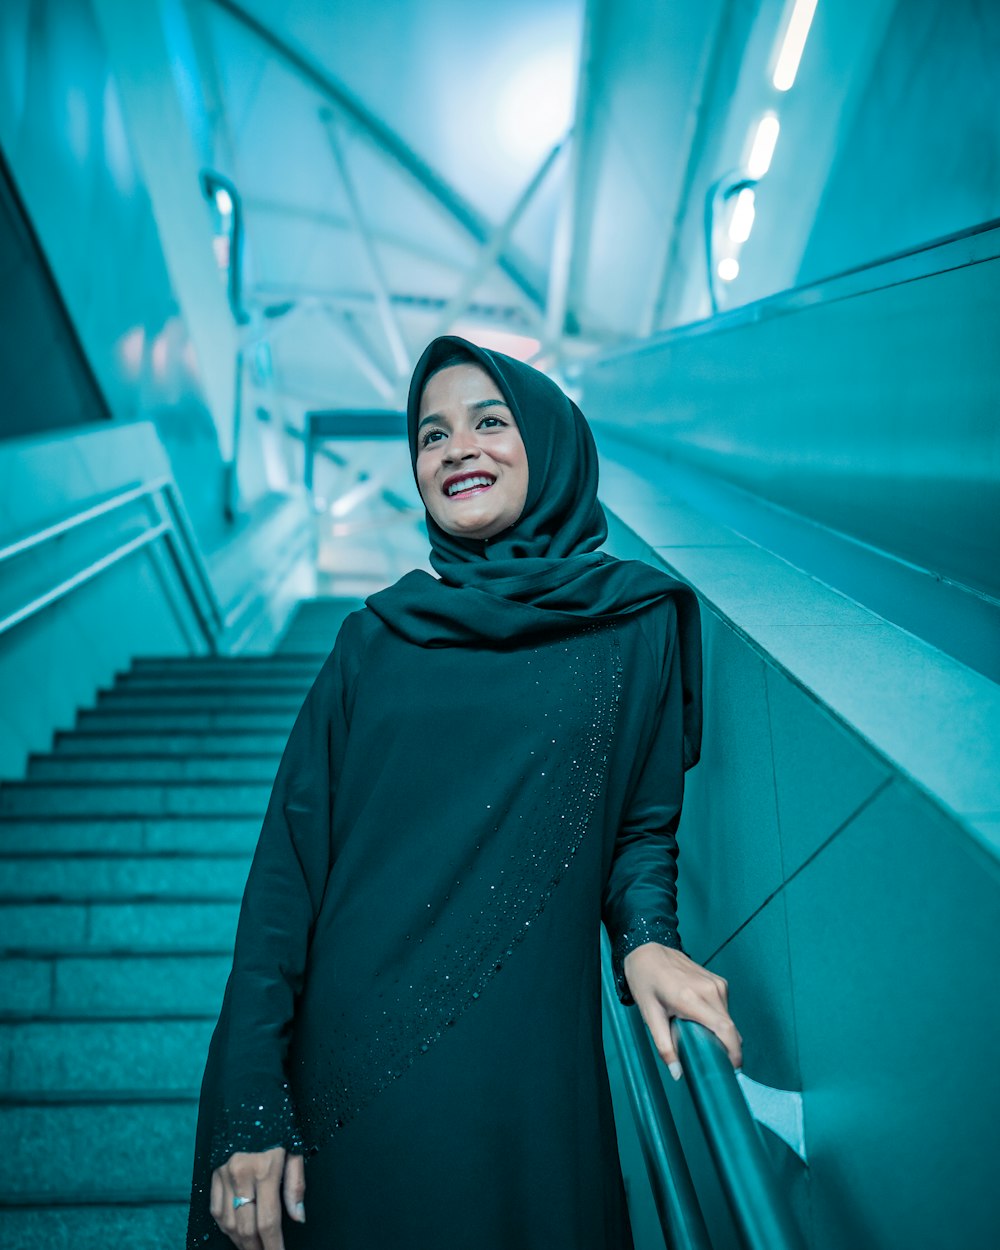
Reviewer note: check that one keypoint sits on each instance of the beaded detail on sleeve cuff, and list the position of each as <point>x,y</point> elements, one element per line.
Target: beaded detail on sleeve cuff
<point>639,931</point>
<point>255,1126</point>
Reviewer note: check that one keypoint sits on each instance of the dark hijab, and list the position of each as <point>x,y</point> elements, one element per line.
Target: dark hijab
<point>544,576</point>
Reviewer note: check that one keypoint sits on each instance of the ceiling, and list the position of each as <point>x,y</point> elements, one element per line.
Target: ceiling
<point>408,169</point>
<point>531,175</point>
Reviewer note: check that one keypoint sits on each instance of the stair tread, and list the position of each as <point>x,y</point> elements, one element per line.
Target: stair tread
<point>87,1097</point>
<point>116,950</point>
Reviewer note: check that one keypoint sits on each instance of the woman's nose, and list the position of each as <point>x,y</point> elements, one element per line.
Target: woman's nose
<point>461,448</point>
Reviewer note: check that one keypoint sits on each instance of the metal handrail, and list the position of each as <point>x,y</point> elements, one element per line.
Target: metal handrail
<point>759,1208</point>
<point>81,578</point>
<point>78,518</point>
<point>674,1194</point>
<point>175,529</point>
<point>806,295</point>
<point>185,528</point>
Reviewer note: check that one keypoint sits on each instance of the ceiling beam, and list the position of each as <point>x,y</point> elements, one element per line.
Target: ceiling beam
<point>494,248</point>
<point>380,287</point>
<point>437,188</point>
<point>333,221</point>
<point>557,304</point>
<point>507,316</point>
<point>360,352</point>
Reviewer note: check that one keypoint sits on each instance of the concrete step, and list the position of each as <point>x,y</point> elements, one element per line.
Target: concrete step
<point>199,925</point>
<point>221,663</point>
<point>28,834</point>
<point>141,1221</point>
<point>259,665</point>
<point>154,767</point>
<point>160,720</point>
<point>38,878</point>
<point>52,1057</point>
<point>68,984</point>
<point>103,1147</point>
<point>169,701</point>
<point>206,684</point>
<point>201,742</point>
<point>96,798</point>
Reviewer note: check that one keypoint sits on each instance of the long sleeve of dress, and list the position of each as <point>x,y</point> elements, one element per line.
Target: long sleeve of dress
<point>640,895</point>
<point>282,897</point>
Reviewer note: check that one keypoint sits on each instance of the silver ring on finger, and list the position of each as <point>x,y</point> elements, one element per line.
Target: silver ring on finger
<point>241,1202</point>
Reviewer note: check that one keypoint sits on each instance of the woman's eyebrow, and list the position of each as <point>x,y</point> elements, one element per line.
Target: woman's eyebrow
<point>438,418</point>
<point>430,419</point>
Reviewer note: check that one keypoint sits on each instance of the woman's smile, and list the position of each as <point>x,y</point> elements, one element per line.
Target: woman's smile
<point>462,485</point>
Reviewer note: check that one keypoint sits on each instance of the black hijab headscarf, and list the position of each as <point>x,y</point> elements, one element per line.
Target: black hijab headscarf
<point>544,575</point>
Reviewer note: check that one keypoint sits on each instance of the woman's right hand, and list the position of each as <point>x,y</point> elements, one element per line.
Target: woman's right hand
<point>267,1178</point>
<point>666,982</point>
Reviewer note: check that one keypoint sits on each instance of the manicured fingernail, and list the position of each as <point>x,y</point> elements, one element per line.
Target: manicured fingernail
<point>675,1070</point>
<point>300,1211</point>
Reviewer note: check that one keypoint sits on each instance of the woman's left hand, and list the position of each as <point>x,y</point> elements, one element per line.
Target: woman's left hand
<point>664,982</point>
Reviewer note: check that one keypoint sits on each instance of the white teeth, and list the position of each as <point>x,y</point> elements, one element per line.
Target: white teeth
<point>467,483</point>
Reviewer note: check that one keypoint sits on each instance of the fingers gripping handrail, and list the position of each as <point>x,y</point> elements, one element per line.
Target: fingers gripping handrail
<point>759,1208</point>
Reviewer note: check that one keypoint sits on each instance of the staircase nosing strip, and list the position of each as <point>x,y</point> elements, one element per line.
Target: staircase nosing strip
<point>236,731</point>
<point>68,783</point>
<point>110,816</point>
<point>119,1017</point>
<point>31,1201</point>
<point>157,1018</point>
<point>117,853</point>
<point>116,900</point>
<point>55,953</point>
<point>160,755</point>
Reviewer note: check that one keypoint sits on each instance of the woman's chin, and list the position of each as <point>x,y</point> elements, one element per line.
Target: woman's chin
<point>471,526</point>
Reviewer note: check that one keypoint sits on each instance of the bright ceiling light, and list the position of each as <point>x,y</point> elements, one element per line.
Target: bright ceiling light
<point>535,107</point>
<point>796,35</point>
<point>520,346</point>
<point>743,215</point>
<point>729,268</point>
<point>131,347</point>
<point>762,148</point>
<point>223,201</point>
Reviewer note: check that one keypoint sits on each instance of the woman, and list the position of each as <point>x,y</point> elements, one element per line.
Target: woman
<point>487,765</point>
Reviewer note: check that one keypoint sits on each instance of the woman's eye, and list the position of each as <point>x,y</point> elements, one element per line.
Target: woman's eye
<point>498,420</point>
<point>431,434</point>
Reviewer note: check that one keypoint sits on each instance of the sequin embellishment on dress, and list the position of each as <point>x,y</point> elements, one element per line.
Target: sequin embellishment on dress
<point>503,893</point>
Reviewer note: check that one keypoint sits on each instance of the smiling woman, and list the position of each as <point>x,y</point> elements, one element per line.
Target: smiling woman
<point>472,467</point>
<point>490,763</point>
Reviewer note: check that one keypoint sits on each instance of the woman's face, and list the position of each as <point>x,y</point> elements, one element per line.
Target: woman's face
<point>472,468</point>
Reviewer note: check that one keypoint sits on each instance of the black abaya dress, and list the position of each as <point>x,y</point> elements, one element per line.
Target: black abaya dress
<point>415,998</point>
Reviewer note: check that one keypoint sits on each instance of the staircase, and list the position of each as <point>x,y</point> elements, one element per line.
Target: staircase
<point>123,856</point>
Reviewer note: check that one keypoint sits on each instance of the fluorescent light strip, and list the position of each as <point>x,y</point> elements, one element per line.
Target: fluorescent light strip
<point>728,268</point>
<point>762,149</point>
<point>743,215</point>
<point>794,42</point>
